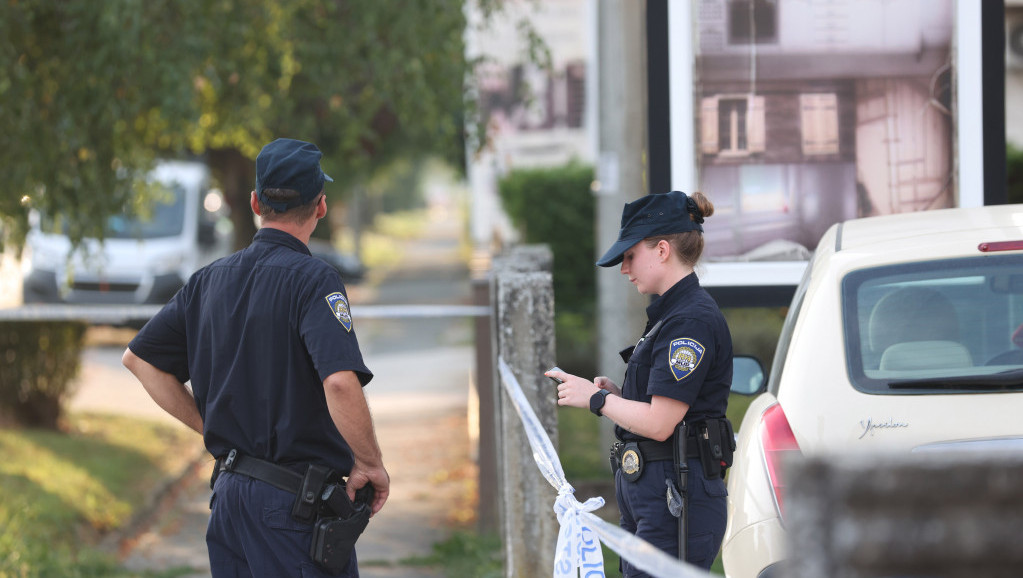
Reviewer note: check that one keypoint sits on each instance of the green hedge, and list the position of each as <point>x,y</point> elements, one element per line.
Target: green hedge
<point>554,206</point>
<point>39,361</point>
<point>1014,173</point>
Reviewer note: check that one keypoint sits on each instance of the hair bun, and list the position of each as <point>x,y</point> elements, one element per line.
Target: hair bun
<point>694,209</point>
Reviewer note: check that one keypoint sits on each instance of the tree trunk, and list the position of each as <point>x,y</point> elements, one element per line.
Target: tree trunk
<point>236,174</point>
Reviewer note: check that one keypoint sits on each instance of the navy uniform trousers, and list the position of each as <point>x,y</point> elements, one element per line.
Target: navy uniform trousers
<point>251,533</point>
<point>644,512</point>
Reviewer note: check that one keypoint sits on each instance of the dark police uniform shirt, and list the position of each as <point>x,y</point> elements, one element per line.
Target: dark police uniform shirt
<point>257,332</point>
<point>689,358</point>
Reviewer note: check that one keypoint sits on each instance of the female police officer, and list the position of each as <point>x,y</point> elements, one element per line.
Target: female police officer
<point>680,369</point>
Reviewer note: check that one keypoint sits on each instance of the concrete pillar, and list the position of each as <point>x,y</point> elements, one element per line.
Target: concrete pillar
<point>524,322</point>
<point>936,515</point>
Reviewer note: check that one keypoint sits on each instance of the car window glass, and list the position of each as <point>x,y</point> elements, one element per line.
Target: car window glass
<point>164,217</point>
<point>939,320</point>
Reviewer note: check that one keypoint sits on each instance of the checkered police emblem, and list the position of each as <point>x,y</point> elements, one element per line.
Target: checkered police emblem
<point>684,355</point>
<point>339,307</point>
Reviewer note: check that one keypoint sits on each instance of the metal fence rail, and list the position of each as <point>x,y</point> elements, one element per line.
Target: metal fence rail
<point>124,314</point>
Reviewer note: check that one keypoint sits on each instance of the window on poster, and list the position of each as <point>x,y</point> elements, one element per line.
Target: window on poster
<point>733,125</point>
<point>753,22</point>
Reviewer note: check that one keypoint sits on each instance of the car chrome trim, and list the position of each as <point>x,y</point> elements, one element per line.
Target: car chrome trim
<point>1014,445</point>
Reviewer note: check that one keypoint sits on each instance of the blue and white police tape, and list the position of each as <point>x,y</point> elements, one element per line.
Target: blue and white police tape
<point>578,551</point>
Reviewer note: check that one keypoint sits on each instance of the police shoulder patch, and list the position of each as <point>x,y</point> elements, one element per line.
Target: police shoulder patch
<point>339,307</point>
<point>684,354</point>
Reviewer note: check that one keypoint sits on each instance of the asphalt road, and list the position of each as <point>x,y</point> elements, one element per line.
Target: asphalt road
<point>419,398</point>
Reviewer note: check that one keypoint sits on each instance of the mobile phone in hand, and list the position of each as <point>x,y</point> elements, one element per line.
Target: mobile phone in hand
<point>554,379</point>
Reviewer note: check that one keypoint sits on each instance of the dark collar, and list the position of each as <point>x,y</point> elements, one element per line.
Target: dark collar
<point>279,237</point>
<point>678,292</point>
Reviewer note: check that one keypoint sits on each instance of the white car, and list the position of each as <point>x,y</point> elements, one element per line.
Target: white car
<point>143,260</point>
<point>905,335</point>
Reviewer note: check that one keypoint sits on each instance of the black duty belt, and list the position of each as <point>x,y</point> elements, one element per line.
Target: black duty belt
<point>278,476</point>
<point>630,456</point>
<point>654,451</point>
<point>319,486</point>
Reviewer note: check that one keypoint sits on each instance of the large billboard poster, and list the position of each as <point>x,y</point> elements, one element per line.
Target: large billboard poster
<point>804,113</point>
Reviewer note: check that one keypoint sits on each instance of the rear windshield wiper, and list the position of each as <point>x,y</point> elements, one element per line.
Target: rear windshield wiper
<point>1011,380</point>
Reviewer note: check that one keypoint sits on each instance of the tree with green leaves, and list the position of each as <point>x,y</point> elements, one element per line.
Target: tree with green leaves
<point>84,90</point>
<point>94,92</point>
<point>368,82</point>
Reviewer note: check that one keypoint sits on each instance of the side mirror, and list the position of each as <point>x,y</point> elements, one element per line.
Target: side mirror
<point>748,377</point>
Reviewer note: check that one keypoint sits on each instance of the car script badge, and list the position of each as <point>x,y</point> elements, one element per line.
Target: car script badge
<point>339,306</point>
<point>684,355</point>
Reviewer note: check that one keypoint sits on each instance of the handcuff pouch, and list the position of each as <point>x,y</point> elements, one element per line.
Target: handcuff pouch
<point>307,499</point>
<point>717,444</point>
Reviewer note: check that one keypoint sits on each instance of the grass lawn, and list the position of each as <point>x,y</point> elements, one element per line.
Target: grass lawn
<point>63,492</point>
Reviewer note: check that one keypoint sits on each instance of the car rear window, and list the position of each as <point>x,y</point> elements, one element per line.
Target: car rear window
<point>937,327</point>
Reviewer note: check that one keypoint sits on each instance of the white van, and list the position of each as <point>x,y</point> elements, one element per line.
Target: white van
<point>141,261</point>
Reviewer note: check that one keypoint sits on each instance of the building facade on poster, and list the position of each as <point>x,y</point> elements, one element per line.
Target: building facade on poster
<point>811,113</point>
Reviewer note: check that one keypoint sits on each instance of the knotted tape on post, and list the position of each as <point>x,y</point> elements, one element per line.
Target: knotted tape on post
<point>578,553</point>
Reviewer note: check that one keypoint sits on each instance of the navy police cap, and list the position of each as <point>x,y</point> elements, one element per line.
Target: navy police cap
<point>290,164</point>
<point>651,216</point>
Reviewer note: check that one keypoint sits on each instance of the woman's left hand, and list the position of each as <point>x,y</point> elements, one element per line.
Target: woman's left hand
<point>573,391</point>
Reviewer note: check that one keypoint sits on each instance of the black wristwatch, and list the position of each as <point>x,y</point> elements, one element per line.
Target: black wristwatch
<point>597,401</point>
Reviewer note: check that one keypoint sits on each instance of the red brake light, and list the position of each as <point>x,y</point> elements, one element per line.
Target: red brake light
<point>777,438</point>
<point>1000,246</point>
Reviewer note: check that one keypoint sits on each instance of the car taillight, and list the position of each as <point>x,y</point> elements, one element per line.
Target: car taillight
<point>778,441</point>
<point>1000,246</point>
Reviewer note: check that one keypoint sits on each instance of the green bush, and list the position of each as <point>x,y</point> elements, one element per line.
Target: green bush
<point>755,331</point>
<point>39,360</point>
<point>555,207</point>
<point>1014,173</point>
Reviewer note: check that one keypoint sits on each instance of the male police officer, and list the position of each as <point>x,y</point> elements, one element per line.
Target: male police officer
<point>265,336</point>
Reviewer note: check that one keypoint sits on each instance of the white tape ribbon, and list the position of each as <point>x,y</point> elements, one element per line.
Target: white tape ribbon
<point>578,552</point>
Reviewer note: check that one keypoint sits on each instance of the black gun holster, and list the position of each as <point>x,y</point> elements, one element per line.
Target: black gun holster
<point>321,499</point>
<point>335,534</point>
